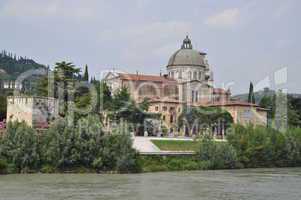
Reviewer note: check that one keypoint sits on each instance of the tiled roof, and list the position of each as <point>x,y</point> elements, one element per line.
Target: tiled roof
<point>220,91</point>
<point>140,77</point>
<point>235,103</point>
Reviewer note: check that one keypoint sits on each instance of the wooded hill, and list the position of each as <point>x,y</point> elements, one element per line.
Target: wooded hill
<point>11,65</point>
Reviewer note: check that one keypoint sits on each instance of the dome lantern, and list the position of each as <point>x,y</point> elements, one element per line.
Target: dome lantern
<point>186,43</point>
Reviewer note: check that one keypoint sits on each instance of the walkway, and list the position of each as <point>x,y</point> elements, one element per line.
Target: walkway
<point>145,146</point>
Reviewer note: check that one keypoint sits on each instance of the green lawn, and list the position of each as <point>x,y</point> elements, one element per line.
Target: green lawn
<point>176,145</point>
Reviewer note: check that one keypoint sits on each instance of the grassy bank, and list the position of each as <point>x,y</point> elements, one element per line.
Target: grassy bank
<point>177,145</point>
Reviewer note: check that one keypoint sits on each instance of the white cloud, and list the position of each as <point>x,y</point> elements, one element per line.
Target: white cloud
<point>53,8</point>
<point>228,17</point>
<point>157,39</point>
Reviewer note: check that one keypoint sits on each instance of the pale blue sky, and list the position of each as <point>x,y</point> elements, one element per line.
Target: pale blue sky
<point>245,40</point>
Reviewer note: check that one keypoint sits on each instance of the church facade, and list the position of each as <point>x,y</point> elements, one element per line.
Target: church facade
<point>188,82</point>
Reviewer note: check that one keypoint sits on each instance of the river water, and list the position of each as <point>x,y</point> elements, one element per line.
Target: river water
<point>255,184</point>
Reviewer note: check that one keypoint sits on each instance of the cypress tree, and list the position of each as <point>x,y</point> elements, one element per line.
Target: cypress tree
<point>86,74</point>
<point>251,97</point>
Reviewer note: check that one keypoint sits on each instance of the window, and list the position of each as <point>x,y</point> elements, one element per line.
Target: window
<point>196,96</point>
<point>192,96</point>
<point>172,74</point>
<point>163,117</point>
<point>164,108</point>
<point>156,108</point>
<point>180,74</point>
<point>200,75</point>
<point>171,119</point>
<point>194,75</point>
<point>189,75</point>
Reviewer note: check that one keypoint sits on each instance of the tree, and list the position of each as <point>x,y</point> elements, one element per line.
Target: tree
<point>20,146</point>
<point>86,74</point>
<point>251,97</point>
<point>196,119</point>
<point>104,96</point>
<point>2,107</point>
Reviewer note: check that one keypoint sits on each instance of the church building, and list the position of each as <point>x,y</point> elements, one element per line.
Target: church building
<point>188,82</point>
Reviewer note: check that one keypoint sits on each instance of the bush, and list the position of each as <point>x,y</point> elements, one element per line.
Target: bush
<point>64,148</point>
<point>20,147</point>
<point>266,147</point>
<point>171,163</point>
<point>217,155</point>
<point>3,167</point>
<point>48,169</point>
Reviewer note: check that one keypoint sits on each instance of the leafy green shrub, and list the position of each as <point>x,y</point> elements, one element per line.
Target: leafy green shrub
<point>85,145</point>
<point>20,146</point>
<point>3,167</point>
<point>48,169</point>
<point>266,147</point>
<point>217,155</point>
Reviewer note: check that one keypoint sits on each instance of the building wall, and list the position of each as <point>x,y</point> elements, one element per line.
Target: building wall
<point>35,111</point>
<point>169,111</point>
<point>20,109</point>
<point>246,115</point>
<point>189,73</point>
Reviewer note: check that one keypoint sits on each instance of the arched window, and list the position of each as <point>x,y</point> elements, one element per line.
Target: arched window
<point>180,74</point>
<point>200,76</point>
<point>189,75</point>
<point>194,75</point>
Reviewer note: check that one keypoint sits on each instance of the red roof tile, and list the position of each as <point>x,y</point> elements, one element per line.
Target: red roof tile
<point>235,103</point>
<point>220,91</point>
<point>140,77</point>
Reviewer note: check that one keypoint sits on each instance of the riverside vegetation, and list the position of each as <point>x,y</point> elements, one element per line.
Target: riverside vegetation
<point>85,148</point>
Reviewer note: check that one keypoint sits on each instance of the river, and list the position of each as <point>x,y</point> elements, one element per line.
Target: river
<point>255,184</point>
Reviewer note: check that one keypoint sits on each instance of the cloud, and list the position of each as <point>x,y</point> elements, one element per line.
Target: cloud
<point>54,8</point>
<point>226,18</point>
<point>157,39</point>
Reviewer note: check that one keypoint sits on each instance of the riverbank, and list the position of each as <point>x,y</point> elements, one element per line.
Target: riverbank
<point>74,149</point>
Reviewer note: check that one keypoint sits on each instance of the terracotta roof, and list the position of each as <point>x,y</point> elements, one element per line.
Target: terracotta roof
<point>164,100</point>
<point>220,91</point>
<point>236,103</point>
<point>142,77</point>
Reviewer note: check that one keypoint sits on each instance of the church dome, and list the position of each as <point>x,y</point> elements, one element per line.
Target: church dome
<point>187,56</point>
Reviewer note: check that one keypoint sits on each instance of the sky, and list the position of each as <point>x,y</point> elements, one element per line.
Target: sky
<point>246,40</point>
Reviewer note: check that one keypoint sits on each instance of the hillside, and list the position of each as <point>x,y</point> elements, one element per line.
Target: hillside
<point>11,66</point>
<point>262,93</point>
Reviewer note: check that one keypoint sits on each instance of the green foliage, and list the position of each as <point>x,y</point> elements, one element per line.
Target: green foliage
<point>3,167</point>
<point>14,66</point>
<point>64,147</point>
<point>124,108</point>
<point>170,163</point>
<point>217,155</point>
<point>86,74</point>
<point>264,147</point>
<point>20,146</point>
<point>2,107</point>
<point>251,97</point>
<point>202,117</point>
